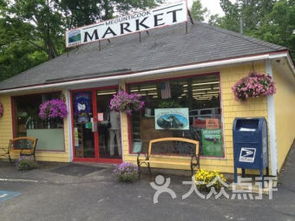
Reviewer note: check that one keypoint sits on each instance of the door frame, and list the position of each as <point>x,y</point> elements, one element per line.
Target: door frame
<point>96,134</point>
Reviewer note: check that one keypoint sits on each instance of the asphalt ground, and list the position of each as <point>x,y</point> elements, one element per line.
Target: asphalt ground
<point>49,195</point>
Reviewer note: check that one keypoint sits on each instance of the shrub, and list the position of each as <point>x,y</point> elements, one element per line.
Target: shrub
<point>26,164</point>
<point>126,172</point>
<point>205,180</point>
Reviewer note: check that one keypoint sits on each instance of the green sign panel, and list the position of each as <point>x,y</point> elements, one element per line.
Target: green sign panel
<point>212,143</point>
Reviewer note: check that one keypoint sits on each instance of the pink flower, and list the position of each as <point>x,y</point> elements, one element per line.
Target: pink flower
<point>254,85</point>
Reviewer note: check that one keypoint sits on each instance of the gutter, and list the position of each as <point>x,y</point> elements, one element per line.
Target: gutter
<point>190,67</point>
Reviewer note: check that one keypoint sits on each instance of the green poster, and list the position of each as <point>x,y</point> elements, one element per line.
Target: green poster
<point>212,143</point>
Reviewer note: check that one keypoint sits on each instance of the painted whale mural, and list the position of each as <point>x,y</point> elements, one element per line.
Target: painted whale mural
<point>172,121</point>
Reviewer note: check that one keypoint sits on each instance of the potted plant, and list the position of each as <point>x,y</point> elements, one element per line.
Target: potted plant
<point>169,103</point>
<point>125,102</point>
<point>254,85</point>
<point>52,109</point>
<point>205,180</point>
<point>126,172</point>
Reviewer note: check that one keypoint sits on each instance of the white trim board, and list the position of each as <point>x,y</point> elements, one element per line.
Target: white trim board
<point>272,148</point>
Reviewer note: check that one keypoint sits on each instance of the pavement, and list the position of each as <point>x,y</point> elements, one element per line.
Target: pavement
<point>49,194</point>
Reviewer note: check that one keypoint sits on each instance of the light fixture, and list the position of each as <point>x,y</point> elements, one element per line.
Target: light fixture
<point>106,93</point>
<point>206,83</point>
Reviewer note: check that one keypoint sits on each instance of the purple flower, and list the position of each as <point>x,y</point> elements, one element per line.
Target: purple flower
<point>51,109</point>
<point>124,102</point>
<point>126,172</point>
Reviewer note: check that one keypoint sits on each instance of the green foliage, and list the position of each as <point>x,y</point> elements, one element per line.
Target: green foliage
<point>126,172</point>
<point>278,26</point>
<point>26,164</point>
<point>168,104</point>
<point>198,12</point>
<point>32,31</point>
<point>79,13</point>
<point>269,20</point>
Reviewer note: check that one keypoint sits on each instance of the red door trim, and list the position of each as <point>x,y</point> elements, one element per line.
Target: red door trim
<point>97,158</point>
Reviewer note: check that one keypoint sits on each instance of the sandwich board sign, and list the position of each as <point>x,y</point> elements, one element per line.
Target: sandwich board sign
<point>141,21</point>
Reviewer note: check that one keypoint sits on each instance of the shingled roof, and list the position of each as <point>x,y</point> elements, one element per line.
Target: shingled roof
<point>166,47</point>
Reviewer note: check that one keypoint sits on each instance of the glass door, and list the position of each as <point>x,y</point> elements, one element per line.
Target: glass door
<point>108,124</point>
<point>83,125</point>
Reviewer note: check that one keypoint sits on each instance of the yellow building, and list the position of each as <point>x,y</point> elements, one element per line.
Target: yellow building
<point>192,70</point>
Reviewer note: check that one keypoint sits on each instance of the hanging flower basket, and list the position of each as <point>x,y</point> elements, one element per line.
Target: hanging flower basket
<point>53,109</point>
<point>1,110</point>
<point>125,102</point>
<point>254,85</point>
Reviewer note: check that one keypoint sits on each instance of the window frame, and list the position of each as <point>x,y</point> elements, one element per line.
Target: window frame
<point>129,118</point>
<point>14,120</point>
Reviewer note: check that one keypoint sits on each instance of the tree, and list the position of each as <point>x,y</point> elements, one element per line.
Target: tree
<point>41,22</point>
<point>278,26</point>
<point>198,12</point>
<point>244,15</point>
<point>16,55</point>
<point>269,20</point>
<point>79,13</point>
<point>32,31</point>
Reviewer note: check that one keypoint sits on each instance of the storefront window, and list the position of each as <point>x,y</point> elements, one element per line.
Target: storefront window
<point>185,107</point>
<point>49,132</point>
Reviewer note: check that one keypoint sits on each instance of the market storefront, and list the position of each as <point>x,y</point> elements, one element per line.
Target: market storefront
<point>184,74</point>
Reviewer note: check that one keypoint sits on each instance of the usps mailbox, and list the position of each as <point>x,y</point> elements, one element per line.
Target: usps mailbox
<point>250,145</point>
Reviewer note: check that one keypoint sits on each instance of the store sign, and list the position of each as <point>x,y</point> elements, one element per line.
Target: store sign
<point>82,106</point>
<point>247,155</point>
<point>141,21</point>
<point>212,143</point>
<point>172,118</point>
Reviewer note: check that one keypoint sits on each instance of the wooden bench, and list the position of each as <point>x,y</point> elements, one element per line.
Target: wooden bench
<point>192,161</point>
<point>20,146</point>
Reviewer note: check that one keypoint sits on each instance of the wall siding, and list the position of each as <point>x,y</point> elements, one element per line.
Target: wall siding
<point>5,122</point>
<point>6,134</point>
<point>284,112</point>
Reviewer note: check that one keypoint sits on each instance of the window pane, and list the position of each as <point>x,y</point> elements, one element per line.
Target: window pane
<point>199,94</point>
<point>28,123</point>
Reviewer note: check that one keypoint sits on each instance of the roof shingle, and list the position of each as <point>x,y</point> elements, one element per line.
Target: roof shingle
<point>165,47</point>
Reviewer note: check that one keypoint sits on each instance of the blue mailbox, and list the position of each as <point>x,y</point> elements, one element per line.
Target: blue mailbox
<point>250,145</point>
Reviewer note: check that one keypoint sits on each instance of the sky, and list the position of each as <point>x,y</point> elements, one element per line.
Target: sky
<point>212,5</point>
